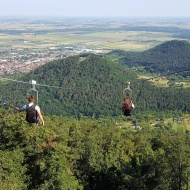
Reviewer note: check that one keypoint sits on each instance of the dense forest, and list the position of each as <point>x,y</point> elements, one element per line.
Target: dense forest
<point>83,144</point>
<point>90,154</point>
<point>88,85</point>
<point>167,57</point>
<point>92,85</point>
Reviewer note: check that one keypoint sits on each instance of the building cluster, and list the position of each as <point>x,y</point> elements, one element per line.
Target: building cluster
<point>25,60</point>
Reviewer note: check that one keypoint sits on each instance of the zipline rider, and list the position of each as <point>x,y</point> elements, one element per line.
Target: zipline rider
<point>33,113</point>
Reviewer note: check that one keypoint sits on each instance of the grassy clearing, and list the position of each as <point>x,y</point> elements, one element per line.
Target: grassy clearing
<point>187,122</point>
<point>159,82</point>
<point>164,82</point>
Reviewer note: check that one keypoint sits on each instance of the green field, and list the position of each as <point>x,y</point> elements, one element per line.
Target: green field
<point>96,34</point>
<point>130,41</point>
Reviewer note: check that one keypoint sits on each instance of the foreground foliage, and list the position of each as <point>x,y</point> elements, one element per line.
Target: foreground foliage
<point>90,154</point>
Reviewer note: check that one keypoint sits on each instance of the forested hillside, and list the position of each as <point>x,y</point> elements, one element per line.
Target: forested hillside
<point>95,152</point>
<point>87,85</point>
<point>170,56</point>
<point>90,154</point>
<point>92,85</point>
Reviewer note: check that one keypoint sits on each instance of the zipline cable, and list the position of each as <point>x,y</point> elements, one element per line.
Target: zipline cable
<point>14,80</point>
<point>176,72</point>
<point>44,85</point>
<point>18,81</point>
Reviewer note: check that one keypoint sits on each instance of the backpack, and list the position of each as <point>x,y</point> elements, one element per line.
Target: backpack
<point>31,114</point>
<point>127,112</point>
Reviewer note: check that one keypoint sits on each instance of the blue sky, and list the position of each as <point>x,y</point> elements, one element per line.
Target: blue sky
<point>96,8</point>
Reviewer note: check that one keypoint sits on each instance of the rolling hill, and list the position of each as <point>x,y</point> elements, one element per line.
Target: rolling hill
<point>92,85</point>
<point>89,85</point>
<point>167,57</point>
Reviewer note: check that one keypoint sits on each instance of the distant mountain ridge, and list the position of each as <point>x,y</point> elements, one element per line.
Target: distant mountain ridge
<point>167,57</point>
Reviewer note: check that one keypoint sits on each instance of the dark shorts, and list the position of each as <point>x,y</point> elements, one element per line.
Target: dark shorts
<point>127,112</point>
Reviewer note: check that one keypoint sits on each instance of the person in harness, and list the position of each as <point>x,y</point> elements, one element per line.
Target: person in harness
<point>33,114</point>
<point>127,107</point>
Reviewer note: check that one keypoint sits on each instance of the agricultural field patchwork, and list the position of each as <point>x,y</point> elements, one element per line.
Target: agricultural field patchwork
<point>129,35</point>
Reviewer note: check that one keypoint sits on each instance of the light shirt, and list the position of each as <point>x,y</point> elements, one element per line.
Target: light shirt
<point>37,108</point>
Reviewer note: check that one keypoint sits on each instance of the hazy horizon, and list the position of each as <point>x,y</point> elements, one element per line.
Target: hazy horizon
<point>96,9</point>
